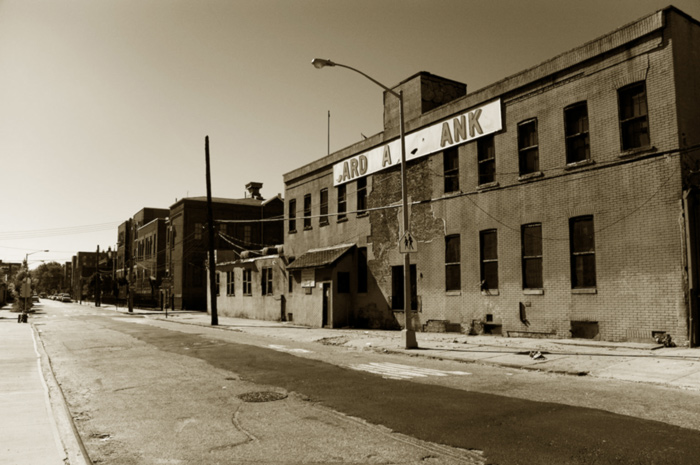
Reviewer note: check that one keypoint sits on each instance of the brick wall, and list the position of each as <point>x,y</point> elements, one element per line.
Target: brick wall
<point>634,197</point>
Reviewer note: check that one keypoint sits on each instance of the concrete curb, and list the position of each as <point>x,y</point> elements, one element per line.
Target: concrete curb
<point>677,368</point>
<point>70,438</point>
<point>650,363</point>
<point>483,362</point>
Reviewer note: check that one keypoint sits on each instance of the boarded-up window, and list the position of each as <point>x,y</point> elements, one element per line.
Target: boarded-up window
<point>361,196</point>
<point>292,215</point>
<point>323,220</point>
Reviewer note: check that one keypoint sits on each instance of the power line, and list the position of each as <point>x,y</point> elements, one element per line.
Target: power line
<point>52,232</point>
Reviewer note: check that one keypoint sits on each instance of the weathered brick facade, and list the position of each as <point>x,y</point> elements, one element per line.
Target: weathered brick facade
<point>639,200</point>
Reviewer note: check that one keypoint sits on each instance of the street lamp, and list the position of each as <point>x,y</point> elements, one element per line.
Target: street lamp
<point>26,257</point>
<point>26,291</point>
<point>410,334</point>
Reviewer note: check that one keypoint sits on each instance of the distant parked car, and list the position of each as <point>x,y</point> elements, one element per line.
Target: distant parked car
<point>65,298</point>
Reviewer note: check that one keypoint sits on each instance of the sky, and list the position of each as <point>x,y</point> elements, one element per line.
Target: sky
<point>105,104</point>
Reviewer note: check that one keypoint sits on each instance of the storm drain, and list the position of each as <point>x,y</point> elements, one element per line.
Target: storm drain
<point>262,396</point>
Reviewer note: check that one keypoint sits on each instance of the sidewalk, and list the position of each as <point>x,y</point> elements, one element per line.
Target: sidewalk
<point>677,367</point>
<point>28,432</point>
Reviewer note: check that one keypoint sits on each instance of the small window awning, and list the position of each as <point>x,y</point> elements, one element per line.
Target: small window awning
<point>316,258</point>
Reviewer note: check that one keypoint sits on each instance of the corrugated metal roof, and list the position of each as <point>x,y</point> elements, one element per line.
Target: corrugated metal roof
<point>320,257</point>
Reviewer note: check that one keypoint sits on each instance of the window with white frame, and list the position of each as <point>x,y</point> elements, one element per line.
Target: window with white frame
<point>230,283</point>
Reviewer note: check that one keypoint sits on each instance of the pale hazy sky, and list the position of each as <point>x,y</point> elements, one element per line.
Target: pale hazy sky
<point>104,104</point>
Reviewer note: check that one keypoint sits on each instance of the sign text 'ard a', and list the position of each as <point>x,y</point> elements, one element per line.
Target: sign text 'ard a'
<point>459,129</point>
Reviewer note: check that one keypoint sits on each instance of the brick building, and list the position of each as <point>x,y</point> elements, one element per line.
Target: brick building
<point>240,225</point>
<point>143,239</point>
<point>560,201</point>
<point>252,284</point>
<point>84,268</point>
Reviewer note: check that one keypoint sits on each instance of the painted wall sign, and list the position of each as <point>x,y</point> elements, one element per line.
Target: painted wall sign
<point>456,130</point>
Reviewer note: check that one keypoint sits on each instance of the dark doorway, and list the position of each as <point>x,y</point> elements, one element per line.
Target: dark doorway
<point>397,288</point>
<point>326,290</point>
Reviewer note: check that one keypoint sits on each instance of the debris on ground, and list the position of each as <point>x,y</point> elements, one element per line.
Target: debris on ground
<point>665,340</point>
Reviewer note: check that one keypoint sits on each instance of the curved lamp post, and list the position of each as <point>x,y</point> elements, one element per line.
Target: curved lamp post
<point>26,290</point>
<point>26,257</point>
<point>410,334</point>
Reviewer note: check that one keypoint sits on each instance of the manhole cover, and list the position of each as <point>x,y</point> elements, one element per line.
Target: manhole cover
<point>262,396</point>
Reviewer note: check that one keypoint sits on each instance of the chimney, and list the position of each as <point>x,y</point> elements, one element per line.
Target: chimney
<point>254,190</point>
<point>422,92</point>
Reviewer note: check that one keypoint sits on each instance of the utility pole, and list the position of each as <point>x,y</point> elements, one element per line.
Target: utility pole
<point>210,223</point>
<point>129,264</point>
<point>98,281</point>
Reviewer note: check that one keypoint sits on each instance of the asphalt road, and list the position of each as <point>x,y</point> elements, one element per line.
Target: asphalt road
<point>119,371</point>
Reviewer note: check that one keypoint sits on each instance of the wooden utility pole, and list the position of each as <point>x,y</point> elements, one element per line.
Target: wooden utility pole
<point>98,281</point>
<point>130,265</point>
<point>210,227</point>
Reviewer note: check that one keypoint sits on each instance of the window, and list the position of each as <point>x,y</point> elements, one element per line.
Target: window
<point>450,164</point>
<point>343,282</point>
<point>576,131</point>
<point>230,283</point>
<point>362,269</point>
<point>266,281</point>
<point>361,196</point>
<point>307,211</point>
<point>247,282</point>
<point>531,241</point>
<point>489,259</point>
<point>342,201</point>
<point>324,208</point>
<point>528,151</point>
<point>582,243</point>
<point>487,159</point>
<point>634,124</point>
<point>291,283</point>
<point>198,231</point>
<point>452,263</point>
<point>247,234</point>
<point>218,283</point>
<point>293,215</point>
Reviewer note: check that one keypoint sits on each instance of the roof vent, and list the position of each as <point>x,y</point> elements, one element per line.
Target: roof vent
<point>254,190</point>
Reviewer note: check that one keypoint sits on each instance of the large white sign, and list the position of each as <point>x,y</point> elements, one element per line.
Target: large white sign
<point>457,130</point>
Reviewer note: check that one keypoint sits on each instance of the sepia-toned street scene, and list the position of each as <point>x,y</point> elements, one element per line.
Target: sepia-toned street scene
<point>369,232</point>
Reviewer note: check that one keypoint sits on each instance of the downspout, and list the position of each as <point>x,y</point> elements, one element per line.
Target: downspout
<point>691,273</point>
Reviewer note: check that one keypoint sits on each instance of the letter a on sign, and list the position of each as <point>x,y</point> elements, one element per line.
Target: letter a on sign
<point>407,244</point>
